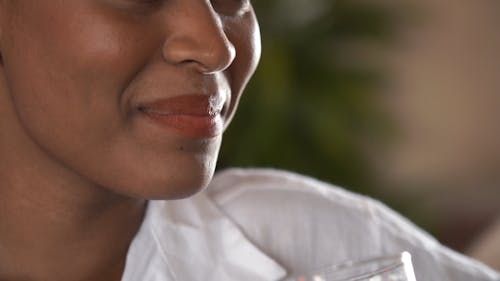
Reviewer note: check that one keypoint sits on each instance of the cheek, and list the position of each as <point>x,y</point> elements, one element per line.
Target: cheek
<point>246,40</point>
<point>66,83</point>
<point>72,65</point>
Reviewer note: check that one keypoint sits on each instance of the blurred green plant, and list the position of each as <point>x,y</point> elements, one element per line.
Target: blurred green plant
<point>311,104</point>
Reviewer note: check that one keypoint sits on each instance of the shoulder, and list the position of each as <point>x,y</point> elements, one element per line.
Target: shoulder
<point>238,184</point>
<point>287,214</point>
<point>280,192</point>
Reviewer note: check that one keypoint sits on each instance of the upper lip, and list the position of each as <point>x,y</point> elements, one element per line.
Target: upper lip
<point>193,104</point>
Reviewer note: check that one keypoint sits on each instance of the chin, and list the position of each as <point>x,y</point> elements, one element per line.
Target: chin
<point>170,185</point>
<point>164,176</point>
<point>178,186</point>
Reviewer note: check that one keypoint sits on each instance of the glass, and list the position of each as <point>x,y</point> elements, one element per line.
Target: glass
<point>386,268</point>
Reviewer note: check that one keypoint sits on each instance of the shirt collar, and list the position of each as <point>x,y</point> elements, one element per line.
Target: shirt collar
<point>191,239</point>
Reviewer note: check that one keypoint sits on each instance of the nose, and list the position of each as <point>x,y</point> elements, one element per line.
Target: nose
<point>196,37</point>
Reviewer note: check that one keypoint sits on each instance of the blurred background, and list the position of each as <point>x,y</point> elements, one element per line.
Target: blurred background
<point>398,100</point>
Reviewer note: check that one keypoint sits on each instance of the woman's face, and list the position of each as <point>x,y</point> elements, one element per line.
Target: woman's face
<point>132,95</point>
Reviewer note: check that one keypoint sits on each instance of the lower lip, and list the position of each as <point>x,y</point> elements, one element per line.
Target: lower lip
<point>193,126</point>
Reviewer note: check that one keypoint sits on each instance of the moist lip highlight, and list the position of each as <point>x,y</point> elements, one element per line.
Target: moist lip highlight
<point>195,116</point>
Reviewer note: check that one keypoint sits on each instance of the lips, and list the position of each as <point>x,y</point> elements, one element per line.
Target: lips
<point>195,116</point>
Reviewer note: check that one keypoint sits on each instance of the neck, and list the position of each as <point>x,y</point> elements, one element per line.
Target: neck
<point>47,235</point>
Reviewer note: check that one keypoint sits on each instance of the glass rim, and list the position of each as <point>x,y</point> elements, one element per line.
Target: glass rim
<point>389,262</point>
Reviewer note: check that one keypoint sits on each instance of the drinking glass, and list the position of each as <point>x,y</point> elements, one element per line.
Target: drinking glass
<point>386,268</point>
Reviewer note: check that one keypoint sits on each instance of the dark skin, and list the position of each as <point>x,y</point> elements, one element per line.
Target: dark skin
<point>77,160</point>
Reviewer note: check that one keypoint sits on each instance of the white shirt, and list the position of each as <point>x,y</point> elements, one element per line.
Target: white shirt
<point>263,224</point>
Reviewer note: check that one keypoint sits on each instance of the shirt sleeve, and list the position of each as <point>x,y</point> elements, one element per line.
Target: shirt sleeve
<point>306,224</point>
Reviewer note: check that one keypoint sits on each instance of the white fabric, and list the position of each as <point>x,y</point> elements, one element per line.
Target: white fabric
<point>266,224</point>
